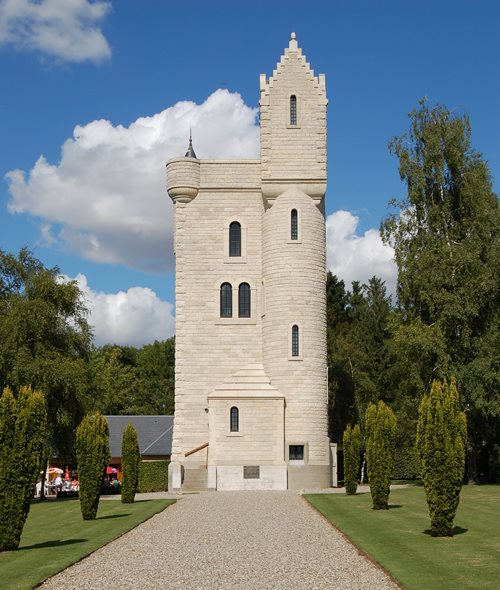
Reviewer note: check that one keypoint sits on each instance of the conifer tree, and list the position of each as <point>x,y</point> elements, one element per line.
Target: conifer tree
<point>352,444</point>
<point>380,432</point>
<point>131,457</point>
<point>92,453</point>
<point>23,425</point>
<point>441,436</point>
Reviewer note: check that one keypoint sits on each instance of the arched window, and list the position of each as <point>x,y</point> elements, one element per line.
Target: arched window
<point>294,225</point>
<point>235,239</point>
<point>293,110</point>
<point>295,340</point>
<point>244,300</point>
<point>226,300</point>
<point>234,419</point>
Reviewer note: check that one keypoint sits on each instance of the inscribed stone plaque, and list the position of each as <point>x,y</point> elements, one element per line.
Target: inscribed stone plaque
<point>251,472</point>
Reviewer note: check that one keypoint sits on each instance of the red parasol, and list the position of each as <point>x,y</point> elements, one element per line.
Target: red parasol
<point>111,470</point>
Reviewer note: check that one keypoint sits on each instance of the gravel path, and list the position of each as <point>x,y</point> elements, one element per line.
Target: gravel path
<point>228,540</point>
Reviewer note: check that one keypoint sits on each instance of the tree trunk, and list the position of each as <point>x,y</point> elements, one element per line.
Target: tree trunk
<point>471,464</point>
<point>492,464</point>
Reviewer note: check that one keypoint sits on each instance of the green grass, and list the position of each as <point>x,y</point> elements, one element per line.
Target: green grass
<point>399,538</point>
<point>55,536</point>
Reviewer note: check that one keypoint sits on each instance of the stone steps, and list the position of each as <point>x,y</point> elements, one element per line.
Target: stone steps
<point>195,480</point>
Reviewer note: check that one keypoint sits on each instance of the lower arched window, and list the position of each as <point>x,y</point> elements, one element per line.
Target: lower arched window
<point>244,294</point>
<point>226,300</point>
<point>295,340</point>
<point>234,419</point>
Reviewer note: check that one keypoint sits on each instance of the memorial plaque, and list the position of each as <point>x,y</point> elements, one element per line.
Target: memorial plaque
<point>251,472</point>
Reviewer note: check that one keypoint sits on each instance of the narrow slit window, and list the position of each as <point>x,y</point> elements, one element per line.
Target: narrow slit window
<point>234,419</point>
<point>293,110</point>
<point>294,225</point>
<point>235,239</point>
<point>244,294</point>
<point>295,340</point>
<point>226,300</point>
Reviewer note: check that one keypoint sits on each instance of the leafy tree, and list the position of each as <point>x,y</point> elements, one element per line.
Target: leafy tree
<point>352,448</point>
<point>131,457</point>
<point>115,381</point>
<point>445,236</point>
<point>22,431</point>
<point>128,381</point>
<point>92,453</point>
<point>155,367</point>
<point>341,402</point>
<point>45,341</point>
<point>358,349</point>
<point>380,439</point>
<point>441,436</point>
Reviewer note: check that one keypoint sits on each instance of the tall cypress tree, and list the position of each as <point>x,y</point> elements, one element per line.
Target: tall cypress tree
<point>92,453</point>
<point>351,447</point>
<point>380,434</point>
<point>441,435</point>
<point>131,457</point>
<point>23,425</point>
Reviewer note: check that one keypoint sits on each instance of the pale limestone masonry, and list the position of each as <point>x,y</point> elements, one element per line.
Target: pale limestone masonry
<point>267,370</point>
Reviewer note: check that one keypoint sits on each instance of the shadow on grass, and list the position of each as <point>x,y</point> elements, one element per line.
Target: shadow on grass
<point>54,543</point>
<point>391,506</point>
<point>456,530</point>
<point>109,516</point>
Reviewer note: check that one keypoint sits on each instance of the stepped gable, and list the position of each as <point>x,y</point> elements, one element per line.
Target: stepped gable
<point>250,381</point>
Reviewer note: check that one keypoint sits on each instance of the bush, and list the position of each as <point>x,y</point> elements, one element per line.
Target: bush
<point>153,476</point>
<point>23,426</point>
<point>92,454</point>
<point>351,444</point>
<point>380,428</point>
<point>131,457</point>
<point>406,463</point>
<point>441,438</point>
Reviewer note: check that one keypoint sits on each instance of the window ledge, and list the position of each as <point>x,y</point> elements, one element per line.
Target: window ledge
<point>235,260</point>
<point>232,321</point>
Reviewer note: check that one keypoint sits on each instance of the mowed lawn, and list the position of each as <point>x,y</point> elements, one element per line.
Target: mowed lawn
<point>55,536</point>
<point>399,538</point>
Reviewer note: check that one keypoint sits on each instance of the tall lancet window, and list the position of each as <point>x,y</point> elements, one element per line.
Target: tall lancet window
<point>295,340</point>
<point>293,110</point>
<point>226,300</point>
<point>294,225</point>
<point>234,419</point>
<point>235,239</point>
<point>244,300</point>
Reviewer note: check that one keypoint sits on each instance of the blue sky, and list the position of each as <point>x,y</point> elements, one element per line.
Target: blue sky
<point>132,76</point>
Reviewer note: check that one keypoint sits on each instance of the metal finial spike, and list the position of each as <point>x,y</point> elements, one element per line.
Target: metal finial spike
<point>190,153</point>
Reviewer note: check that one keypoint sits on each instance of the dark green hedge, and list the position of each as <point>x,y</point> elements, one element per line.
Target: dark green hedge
<point>153,476</point>
<point>406,464</point>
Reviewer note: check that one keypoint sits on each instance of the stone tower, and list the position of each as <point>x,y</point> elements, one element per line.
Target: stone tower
<point>249,240</point>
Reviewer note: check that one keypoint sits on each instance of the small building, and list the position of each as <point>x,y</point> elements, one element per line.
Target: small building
<point>154,434</point>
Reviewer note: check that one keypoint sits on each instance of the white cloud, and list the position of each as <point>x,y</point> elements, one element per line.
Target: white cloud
<point>135,317</point>
<point>65,29</point>
<point>358,258</point>
<point>106,198</point>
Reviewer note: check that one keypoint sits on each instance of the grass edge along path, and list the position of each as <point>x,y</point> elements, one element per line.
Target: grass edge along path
<point>55,536</point>
<point>399,540</point>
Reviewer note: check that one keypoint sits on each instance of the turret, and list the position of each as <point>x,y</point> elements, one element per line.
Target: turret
<point>293,127</point>
<point>183,176</point>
